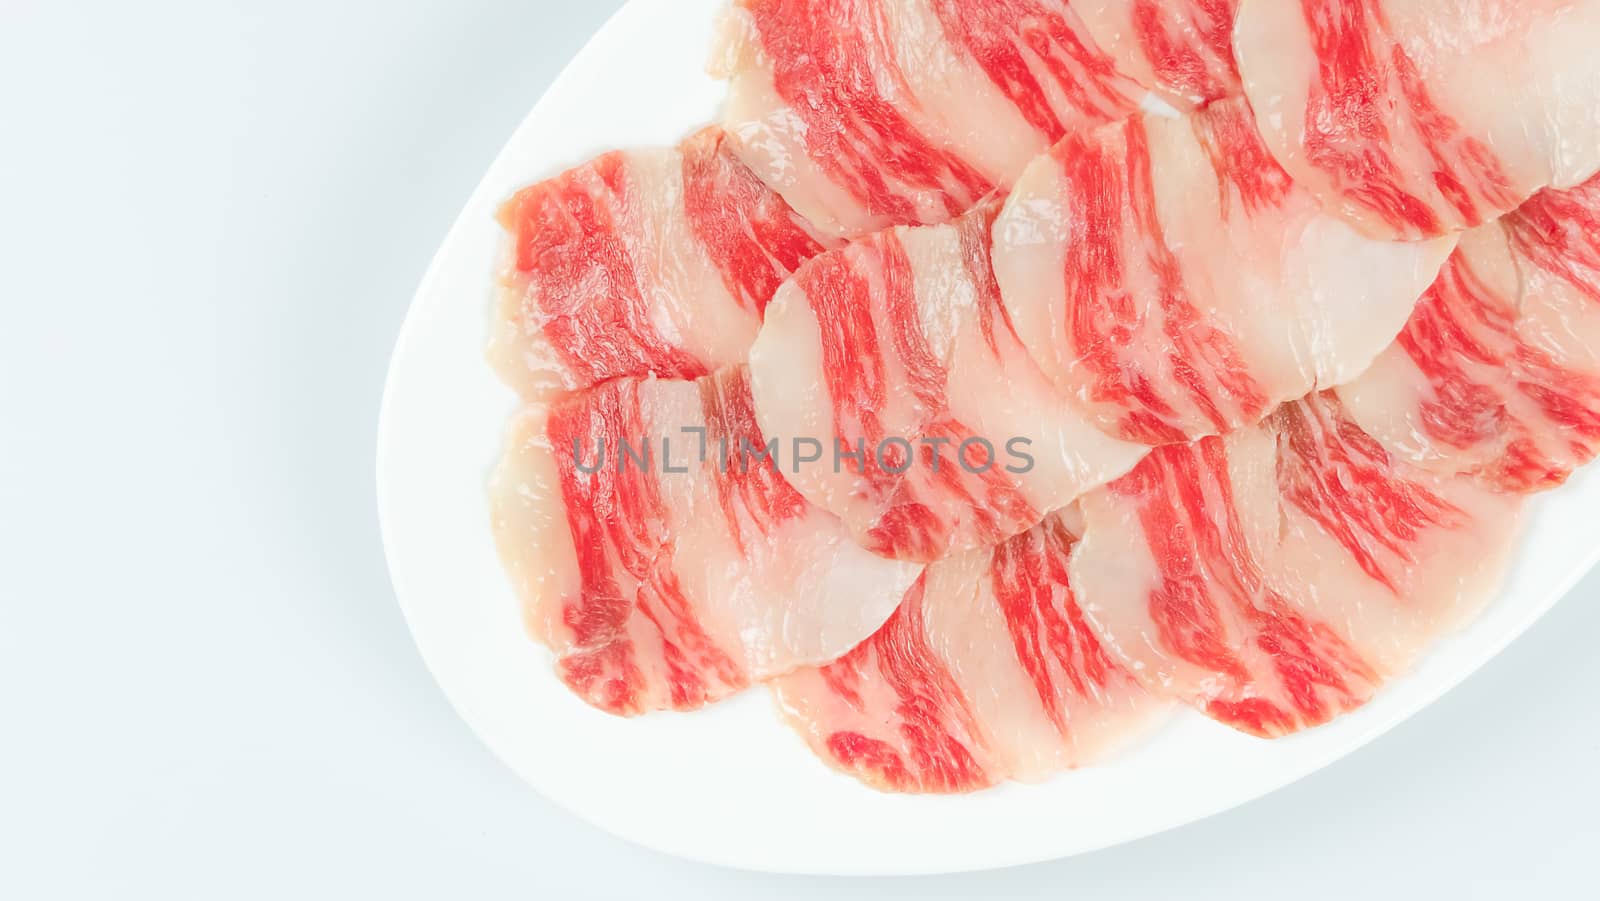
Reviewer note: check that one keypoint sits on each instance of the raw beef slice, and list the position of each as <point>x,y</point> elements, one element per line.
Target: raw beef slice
<point>1416,118</point>
<point>646,262</point>
<point>1169,276</point>
<point>670,575</point>
<point>1498,372</point>
<point>1181,49</point>
<point>866,114</point>
<point>1276,578</point>
<point>897,351</point>
<point>988,672</point>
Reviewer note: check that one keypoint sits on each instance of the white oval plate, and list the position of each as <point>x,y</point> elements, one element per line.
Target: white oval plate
<point>731,785</point>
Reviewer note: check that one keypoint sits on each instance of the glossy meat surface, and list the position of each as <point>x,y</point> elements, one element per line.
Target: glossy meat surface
<point>867,114</point>
<point>897,351</point>
<point>644,262</point>
<point>1276,578</point>
<point>1181,49</point>
<point>1498,372</point>
<point>1422,117</point>
<point>1169,276</point>
<point>987,673</point>
<point>665,568</point>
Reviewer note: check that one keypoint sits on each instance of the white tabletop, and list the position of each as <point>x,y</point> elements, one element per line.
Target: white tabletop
<point>212,215</point>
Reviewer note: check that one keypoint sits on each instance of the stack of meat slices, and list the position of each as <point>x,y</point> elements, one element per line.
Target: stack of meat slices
<point>985,415</point>
<point>867,114</point>
<point>898,347</point>
<point>656,261</point>
<point>1498,372</point>
<point>872,113</point>
<point>1276,577</point>
<point>664,571</point>
<point>1422,117</point>
<point>989,671</point>
<point>1170,277</point>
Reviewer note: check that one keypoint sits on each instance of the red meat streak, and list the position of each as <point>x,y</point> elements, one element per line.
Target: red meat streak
<point>1191,522</point>
<point>1348,117</point>
<point>977,259</point>
<point>1464,341</point>
<point>1560,232</point>
<point>620,530</point>
<point>934,717</point>
<point>1202,68</point>
<point>755,239</point>
<point>936,721</point>
<point>1442,339</point>
<point>755,497</point>
<point>1029,577</point>
<point>828,57</point>
<point>855,367</point>
<point>569,246</point>
<point>1342,478</point>
<point>1110,191</point>
<point>1002,35</point>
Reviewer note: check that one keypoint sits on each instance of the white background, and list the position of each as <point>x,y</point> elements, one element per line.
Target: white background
<point>212,216</point>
